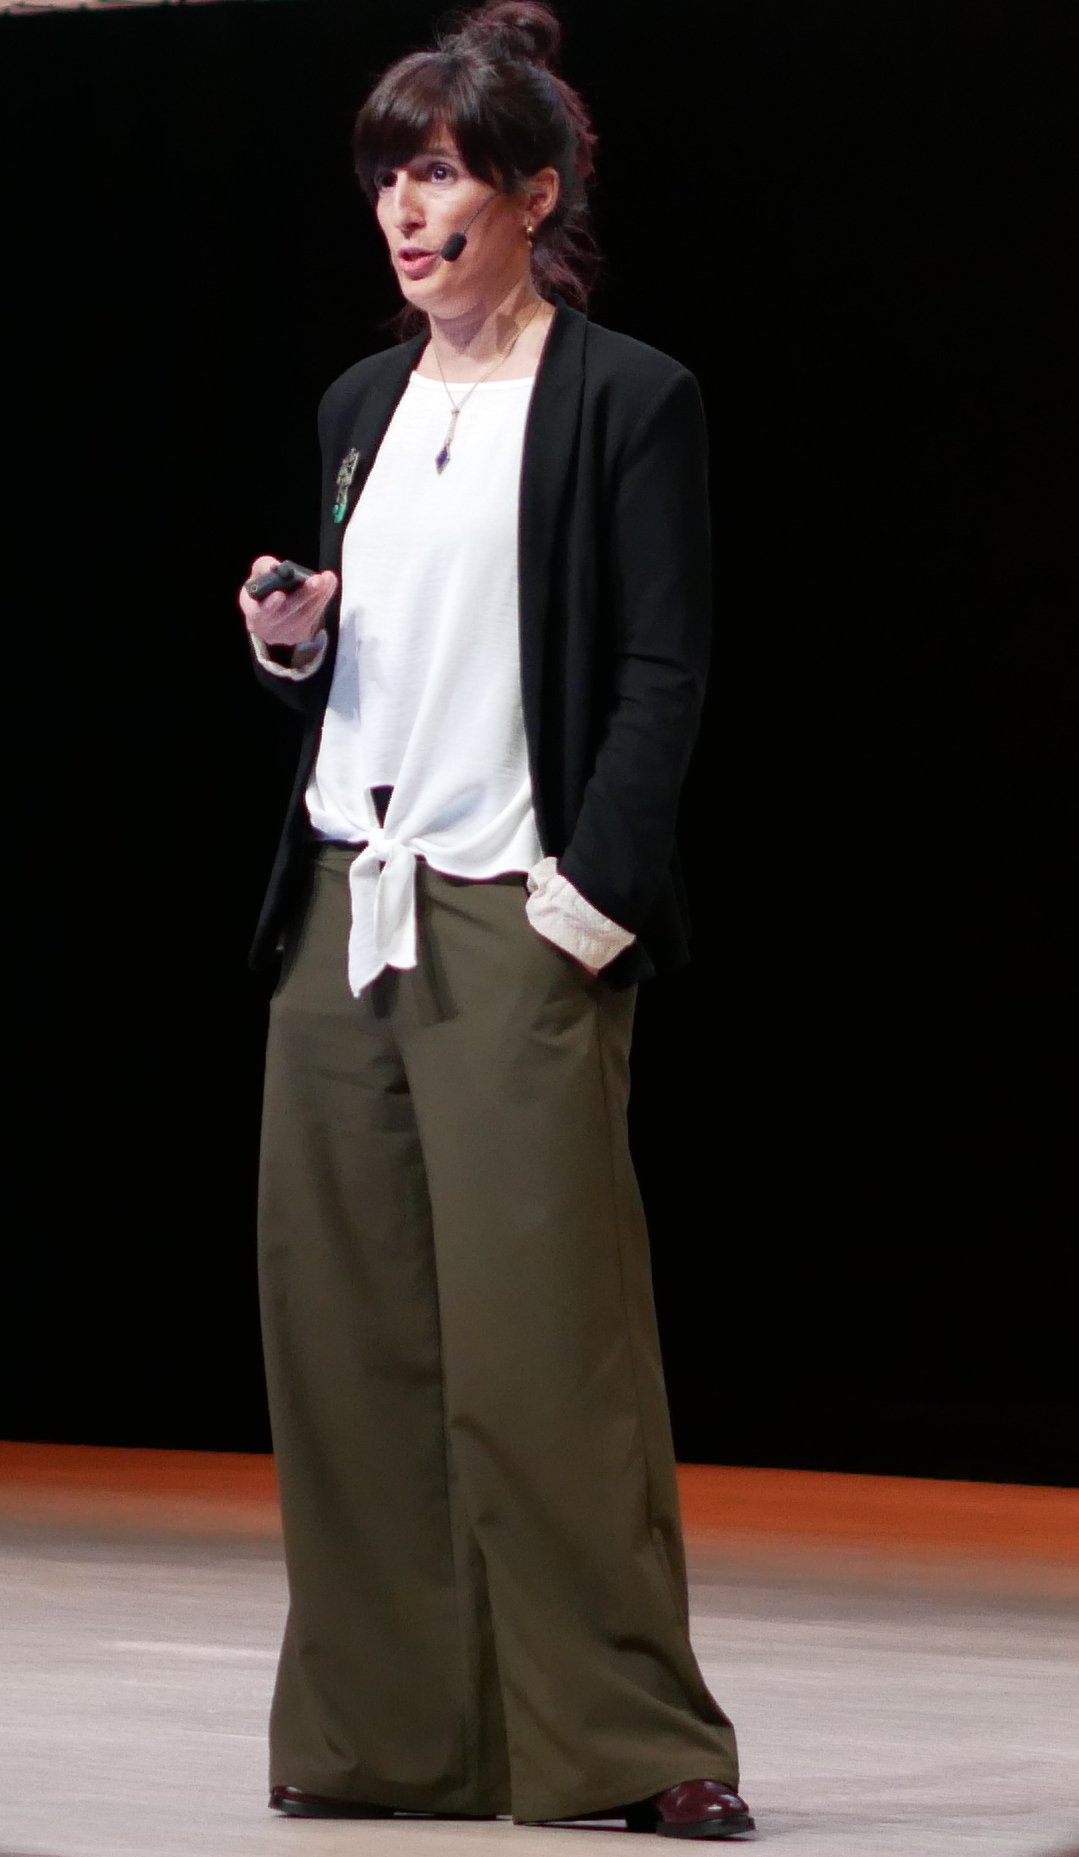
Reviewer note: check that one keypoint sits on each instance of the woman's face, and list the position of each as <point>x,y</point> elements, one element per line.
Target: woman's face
<point>422,203</point>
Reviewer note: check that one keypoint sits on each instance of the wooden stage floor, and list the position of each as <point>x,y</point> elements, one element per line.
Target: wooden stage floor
<point>901,1659</point>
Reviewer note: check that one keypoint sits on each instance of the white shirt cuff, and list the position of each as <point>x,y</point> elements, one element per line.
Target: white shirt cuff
<point>306,658</point>
<point>563,916</point>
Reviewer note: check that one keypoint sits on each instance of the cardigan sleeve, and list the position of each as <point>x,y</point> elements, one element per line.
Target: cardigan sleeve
<point>659,558</point>
<point>302,683</point>
<point>304,689</point>
<point>304,662</point>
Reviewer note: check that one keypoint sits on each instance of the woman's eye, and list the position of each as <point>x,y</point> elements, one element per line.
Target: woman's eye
<point>384,179</point>
<point>438,171</point>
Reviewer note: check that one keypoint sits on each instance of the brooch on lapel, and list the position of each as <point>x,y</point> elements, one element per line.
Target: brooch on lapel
<point>345,475</point>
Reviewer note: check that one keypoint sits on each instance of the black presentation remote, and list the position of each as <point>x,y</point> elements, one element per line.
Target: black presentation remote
<point>284,578</point>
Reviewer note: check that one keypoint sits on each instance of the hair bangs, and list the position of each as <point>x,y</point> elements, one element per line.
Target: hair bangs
<point>417,97</point>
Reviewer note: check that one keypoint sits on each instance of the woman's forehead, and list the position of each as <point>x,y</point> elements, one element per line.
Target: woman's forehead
<point>436,140</point>
<point>440,141</point>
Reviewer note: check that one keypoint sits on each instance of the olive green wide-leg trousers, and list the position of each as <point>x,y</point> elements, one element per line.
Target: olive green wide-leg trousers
<point>486,1574</point>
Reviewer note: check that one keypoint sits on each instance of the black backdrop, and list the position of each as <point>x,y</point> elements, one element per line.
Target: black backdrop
<point>854,1118</point>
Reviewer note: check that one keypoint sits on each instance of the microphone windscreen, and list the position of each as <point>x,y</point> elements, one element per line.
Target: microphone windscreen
<point>453,247</point>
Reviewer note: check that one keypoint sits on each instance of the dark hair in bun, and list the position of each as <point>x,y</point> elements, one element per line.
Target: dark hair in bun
<point>490,81</point>
<point>527,29</point>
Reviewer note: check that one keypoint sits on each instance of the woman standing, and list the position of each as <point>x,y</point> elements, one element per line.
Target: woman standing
<point>500,667</point>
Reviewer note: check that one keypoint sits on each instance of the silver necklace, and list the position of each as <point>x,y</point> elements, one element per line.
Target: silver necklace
<point>443,457</point>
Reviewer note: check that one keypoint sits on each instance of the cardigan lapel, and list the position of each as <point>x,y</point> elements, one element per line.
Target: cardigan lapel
<point>367,432</point>
<point>550,441</point>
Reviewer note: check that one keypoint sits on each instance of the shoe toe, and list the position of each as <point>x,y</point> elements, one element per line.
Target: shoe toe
<point>693,1809</point>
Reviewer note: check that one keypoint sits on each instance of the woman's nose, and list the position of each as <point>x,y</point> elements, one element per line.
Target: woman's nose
<point>407,211</point>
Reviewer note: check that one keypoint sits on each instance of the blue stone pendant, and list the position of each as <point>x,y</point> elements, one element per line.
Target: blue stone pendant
<point>443,456</point>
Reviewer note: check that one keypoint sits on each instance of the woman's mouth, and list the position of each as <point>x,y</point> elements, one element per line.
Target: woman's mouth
<point>414,261</point>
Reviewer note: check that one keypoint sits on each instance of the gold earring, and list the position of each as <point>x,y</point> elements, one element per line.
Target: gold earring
<point>530,232</point>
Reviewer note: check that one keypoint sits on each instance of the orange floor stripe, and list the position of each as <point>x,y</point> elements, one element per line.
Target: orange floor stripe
<point>899,1513</point>
<point>724,1509</point>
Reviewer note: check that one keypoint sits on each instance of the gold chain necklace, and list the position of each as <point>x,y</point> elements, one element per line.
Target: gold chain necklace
<point>443,457</point>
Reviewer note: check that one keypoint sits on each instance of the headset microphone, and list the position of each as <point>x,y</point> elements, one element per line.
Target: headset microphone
<point>457,241</point>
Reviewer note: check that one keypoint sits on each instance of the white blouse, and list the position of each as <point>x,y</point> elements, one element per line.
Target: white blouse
<point>426,689</point>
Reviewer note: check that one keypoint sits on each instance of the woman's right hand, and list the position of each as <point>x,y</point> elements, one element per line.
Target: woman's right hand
<point>287,618</point>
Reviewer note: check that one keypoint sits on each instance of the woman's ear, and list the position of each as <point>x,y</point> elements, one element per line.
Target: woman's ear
<point>541,194</point>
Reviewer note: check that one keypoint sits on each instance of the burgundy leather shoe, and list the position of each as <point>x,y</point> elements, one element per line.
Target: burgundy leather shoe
<point>692,1809</point>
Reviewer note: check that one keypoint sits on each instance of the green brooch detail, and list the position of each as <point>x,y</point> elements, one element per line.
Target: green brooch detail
<point>345,475</point>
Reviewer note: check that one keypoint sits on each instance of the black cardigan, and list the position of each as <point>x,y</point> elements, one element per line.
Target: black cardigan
<point>615,618</point>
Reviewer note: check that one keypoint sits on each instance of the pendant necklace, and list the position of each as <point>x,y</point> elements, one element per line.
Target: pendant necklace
<point>458,406</point>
